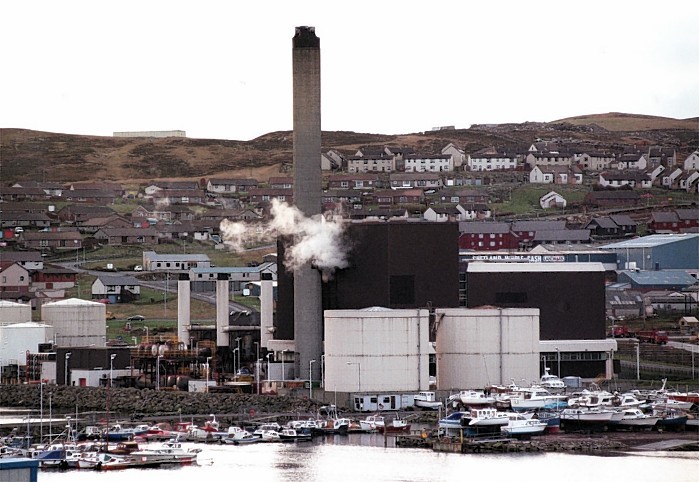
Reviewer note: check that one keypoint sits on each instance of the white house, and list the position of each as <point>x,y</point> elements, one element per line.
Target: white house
<point>552,200</point>
<point>692,161</point>
<point>441,214</point>
<point>418,163</point>
<point>118,289</point>
<point>671,176</point>
<point>594,161</point>
<point>632,161</point>
<point>458,157</point>
<point>491,162</point>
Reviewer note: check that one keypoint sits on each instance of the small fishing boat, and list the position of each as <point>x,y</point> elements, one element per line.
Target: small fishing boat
<point>427,401</point>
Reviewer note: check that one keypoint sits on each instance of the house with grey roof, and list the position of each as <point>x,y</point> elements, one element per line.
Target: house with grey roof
<point>117,289</point>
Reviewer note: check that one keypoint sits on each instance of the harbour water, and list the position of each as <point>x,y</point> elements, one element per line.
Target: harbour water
<point>364,458</point>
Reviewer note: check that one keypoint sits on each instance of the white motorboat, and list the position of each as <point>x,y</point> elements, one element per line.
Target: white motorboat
<point>671,404</point>
<point>371,423</point>
<point>237,435</point>
<point>427,400</point>
<point>520,425</point>
<point>293,435</point>
<point>473,398</point>
<point>166,453</point>
<point>537,397</point>
<point>482,417</point>
<point>587,415</point>
<point>550,381</point>
<point>635,418</point>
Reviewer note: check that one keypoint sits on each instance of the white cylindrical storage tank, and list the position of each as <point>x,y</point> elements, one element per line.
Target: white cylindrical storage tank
<point>76,322</point>
<point>11,312</point>
<point>485,346</point>
<point>18,338</point>
<point>376,350</point>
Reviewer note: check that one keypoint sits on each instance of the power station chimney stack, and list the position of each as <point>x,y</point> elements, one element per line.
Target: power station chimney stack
<point>308,320</point>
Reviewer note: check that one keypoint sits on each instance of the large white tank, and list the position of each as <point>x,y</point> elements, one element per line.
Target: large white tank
<point>479,347</point>
<point>376,350</point>
<point>76,322</point>
<point>17,339</point>
<point>11,312</point>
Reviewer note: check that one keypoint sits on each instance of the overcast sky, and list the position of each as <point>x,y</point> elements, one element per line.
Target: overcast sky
<point>222,69</point>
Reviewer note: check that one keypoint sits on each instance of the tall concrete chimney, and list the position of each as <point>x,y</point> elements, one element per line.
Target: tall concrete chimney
<point>308,321</point>
<point>183,308</point>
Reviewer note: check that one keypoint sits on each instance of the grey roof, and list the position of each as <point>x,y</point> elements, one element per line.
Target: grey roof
<point>665,217</point>
<point>605,222</point>
<point>111,280</point>
<point>233,269</point>
<point>687,214</point>
<point>475,227</point>
<point>655,278</point>
<point>650,241</point>
<point>623,220</point>
<point>562,235</point>
<point>538,225</point>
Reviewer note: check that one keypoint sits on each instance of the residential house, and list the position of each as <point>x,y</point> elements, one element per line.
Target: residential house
<point>625,178</point>
<point>333,160</point>
<point>334,198</point>
<point>688,181</point>
<point>487,236</point>
<point>117,289</point>
<point>152,214</point>
<point>441,214</point>
<point>52,277</point>
<point>471,211</point>
<point>381,163</point>
<point>156,186</point>
<point>126,236</point>
<point>613,198</point>
<point>359,181</point>
<point>9,194</point>
<point>14,282</point>
<point>594,161</point>
<point>116,189</point>
<point>281,182</point>
<point>492,161</point>
<point>218,215</point>
<point>552,200</point>
<point>76,213</point>
<point>655,173</point>
<point>179,196</point>
<point>92,225</point>
<point>661,156</point>
<point>465,196</point>
<point>231,186</point>
<point>379,214</point>
<point>420,180</point>
<point>691,163</point>
<point>688,219</point>
<point>182,263</point>
<point>25,220</point>
<point>402,196</point>
<point>52,189</point>
<point>51,240</point>
<point>526,230</point>
<point>555,175</point>
<point>433,163</point>
<point>561,236</point>
<point>372,151</point>
<point>263,194</point>
<point>612,226</point>
<point>633,161</point>
<point>90,196</point>
<point>458,156</point>
<point>670,177</point>
<point>549,158</point>
<point>30,260</point>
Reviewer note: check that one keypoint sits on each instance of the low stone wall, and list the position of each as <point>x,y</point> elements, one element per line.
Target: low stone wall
<point>137,403</point>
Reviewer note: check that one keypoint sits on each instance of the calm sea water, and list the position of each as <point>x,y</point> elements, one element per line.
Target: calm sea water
<point>362,458</point>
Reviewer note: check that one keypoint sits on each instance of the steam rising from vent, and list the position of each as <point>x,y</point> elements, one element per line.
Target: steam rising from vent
<point>315,240</point>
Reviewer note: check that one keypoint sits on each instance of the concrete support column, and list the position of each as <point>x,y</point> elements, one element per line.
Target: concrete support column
<point>266,309</point>
<point>222,309</point>
<point>183,308</point>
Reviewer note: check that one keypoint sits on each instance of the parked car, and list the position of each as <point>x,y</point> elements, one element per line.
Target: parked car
<point>136,318</point>
<point>138,267</point>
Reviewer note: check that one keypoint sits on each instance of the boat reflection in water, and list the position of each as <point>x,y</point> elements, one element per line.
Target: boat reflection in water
<point>374,457</point>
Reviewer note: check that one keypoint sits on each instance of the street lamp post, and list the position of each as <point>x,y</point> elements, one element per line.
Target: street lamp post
<point>268,372</point>
<point>638,360</point>
<point>237,342</point>
<point>235,371</point>
<point>359,374</point>
<point>310,379</point>
<point>111,368</point>
<point>208,359</point>
<point>157,372</point>
<point>41,410</point>
<point>66,367</point>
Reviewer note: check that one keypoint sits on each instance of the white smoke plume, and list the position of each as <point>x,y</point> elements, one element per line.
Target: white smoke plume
<point>316,240</point>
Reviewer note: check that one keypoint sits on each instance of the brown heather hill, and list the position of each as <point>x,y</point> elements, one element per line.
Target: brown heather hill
<point>33,155</point>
